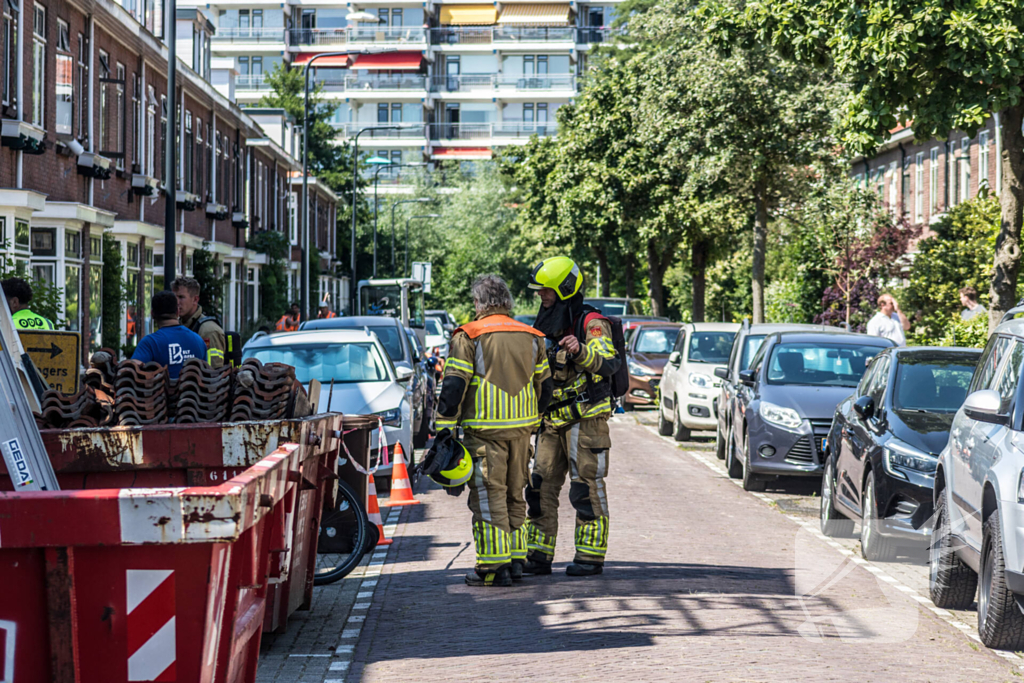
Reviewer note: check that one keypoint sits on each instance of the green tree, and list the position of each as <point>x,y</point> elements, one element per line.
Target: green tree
<point>114,294</point>
<point>957,255</point>
<point>937,66</point>
<point>211,285</point>
<point>273,275</point>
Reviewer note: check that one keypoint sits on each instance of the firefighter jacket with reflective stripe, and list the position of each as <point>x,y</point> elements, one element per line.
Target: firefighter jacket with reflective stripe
<point>211,332</point>
<point>503,364</point>
<point>573,378</point>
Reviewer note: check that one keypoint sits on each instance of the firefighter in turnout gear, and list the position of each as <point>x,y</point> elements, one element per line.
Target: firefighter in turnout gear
<point>496,385</point>
<point>574,437</point>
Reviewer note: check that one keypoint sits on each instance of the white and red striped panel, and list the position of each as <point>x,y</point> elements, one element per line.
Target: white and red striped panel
<point>152,650</point>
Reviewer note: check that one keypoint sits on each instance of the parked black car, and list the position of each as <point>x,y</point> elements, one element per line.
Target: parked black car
<point>786,400</point>
<point>744,346</point>
<point>883,447</point>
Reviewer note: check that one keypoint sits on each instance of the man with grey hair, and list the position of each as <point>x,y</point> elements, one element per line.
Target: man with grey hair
<point>496,386</point>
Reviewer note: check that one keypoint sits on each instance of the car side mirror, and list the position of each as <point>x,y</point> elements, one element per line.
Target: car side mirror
<point>984,406</point>
<point>404,373</point>
<point>722,373</point>
<point>673,358</point>
<point>748,377</point>
<point>864,407</point>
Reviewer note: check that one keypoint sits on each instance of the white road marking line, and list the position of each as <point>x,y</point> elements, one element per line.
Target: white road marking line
<point>943,614</point>
<point>339,666</point>
<point>344,649</point>
<point>364,594</point>
<point>351,632</point>
<point>309,655</point>
<point>361,605</point>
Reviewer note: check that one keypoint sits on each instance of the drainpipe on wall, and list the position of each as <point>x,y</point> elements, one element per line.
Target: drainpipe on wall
<point>20,84</point>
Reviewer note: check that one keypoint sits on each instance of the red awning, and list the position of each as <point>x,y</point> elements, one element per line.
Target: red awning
<point>338,61</point>
<point>461,153</point>
<point>397,61</point>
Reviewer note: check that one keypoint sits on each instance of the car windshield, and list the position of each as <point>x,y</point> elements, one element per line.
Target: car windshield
<point>934,385</point>
<point>816,363</point>
<point>750,346</point>
<point>710,347</point>
<point>434,327</point>
<point>343,363</point>
<point>391,340</point>
<point>656,341</point>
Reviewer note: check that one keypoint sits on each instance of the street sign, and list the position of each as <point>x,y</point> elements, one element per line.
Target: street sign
<point>421,271</point>
<point>58,357</point>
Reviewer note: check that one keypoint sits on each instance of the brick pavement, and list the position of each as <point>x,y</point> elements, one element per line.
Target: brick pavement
<point>702,584</point>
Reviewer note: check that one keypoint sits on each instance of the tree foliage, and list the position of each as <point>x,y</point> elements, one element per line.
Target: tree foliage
<point>936,66</point>
<point>211,285</point>
<point>114,294</point>
<point>274,274</point>
<point>958,255</point>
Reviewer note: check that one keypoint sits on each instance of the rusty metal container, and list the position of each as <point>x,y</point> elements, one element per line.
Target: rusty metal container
<point>201,455</point>
<point>113,585</point>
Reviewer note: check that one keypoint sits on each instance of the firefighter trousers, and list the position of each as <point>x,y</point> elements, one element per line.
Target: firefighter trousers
<point>500,470</point>
<point>581,451</point>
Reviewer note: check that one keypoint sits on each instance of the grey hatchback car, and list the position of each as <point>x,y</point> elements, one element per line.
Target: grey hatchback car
<point>786,400</point>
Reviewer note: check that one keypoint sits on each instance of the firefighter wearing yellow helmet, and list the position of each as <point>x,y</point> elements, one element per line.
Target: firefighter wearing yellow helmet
<point>496,386</point>
<point>574,438</point>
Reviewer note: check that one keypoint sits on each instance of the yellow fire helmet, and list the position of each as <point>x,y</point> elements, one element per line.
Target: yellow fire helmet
<point>559,273</point>
<point>460,466</point>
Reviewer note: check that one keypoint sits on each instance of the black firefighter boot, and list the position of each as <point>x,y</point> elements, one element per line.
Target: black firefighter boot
<point>584,569</point>
<point>537,564</point>
<point>517,569</point>
<point>500,578</point>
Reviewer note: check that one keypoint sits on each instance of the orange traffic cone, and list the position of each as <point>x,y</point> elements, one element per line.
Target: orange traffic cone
<point>401,487</point>
<point>373,512</point>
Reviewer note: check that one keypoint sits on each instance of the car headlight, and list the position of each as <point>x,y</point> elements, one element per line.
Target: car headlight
<point>899,458</point>
<point>698,379</point>
<point>637,369</point>
<point>787,418</point>
<point>391,418</point>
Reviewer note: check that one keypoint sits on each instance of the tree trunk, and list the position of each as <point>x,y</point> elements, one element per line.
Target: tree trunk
<point>630,272</point>
<point>698,273</point>
<point>760,247</point>
<point>1006,267</point>
<point>602,263</point>
<point>658,260</point>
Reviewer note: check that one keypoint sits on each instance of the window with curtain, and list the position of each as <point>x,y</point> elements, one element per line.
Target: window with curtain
<point>65,81</point>
<point>39,67</point>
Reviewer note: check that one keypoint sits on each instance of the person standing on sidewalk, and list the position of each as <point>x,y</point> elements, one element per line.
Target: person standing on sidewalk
<point>889,322</point>
<point>574,437</point>
<point>19,295</point>
<point>496,385</point>
<point>172,343</point>
<point>969,300</point>
<point>187,289</point>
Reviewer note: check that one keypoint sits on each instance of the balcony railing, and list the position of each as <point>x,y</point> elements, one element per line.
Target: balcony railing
<point>252,82</point>
<point>406,132</point>
<point>249,35</point>
<point>533,34</point>
<point>595,34</point>
<point>357,34</point>
<point>479,131</point>
<point>476,82</point>
<point>351,83</point>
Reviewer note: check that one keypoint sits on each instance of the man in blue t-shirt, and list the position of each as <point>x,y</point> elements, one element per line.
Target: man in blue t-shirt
<point>172,344</point>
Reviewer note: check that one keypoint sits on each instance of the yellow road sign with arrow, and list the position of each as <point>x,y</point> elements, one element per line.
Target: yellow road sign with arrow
<point>58,357</point>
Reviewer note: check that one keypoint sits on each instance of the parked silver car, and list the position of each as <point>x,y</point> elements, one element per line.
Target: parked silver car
<point>978,541</point>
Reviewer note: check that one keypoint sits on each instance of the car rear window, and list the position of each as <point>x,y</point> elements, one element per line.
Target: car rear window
<point>824,364</point>
<point>344,363</point>
<point>656,341</point>
<point>933,385</point>
<point>710,347</point>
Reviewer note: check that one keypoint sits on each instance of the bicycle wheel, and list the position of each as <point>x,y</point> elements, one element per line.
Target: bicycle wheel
<point>343,537</point>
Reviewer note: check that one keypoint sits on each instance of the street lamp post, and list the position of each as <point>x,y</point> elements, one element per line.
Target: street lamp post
<point>170,148</point>
<point>403,201</point>
<point>425,215</point>
<point>355,176</point>
<point>375,183</point>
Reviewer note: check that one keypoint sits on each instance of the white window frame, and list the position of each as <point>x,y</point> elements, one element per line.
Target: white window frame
<point>894,203</point>
<point>983,159</point>
<point>919,187</point>
<point>150,130</point>
<point>38,114</point>
<point>965,169</point>
<point>933,180</point>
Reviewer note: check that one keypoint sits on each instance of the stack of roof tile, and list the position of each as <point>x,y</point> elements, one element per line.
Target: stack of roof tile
<point>88,408</point>
<point>264,392</point>
<point>203,393</point>
<point>141,393</point>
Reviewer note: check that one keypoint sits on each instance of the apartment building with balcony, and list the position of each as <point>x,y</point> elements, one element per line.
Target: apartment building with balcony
<point>455,79</point>
<point>83,111</point>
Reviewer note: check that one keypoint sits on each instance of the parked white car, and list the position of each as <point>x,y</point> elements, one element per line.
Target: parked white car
<point>366,382</point>
<point>977,542</point>
<point>437,337</point>
<point>689,388</point>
